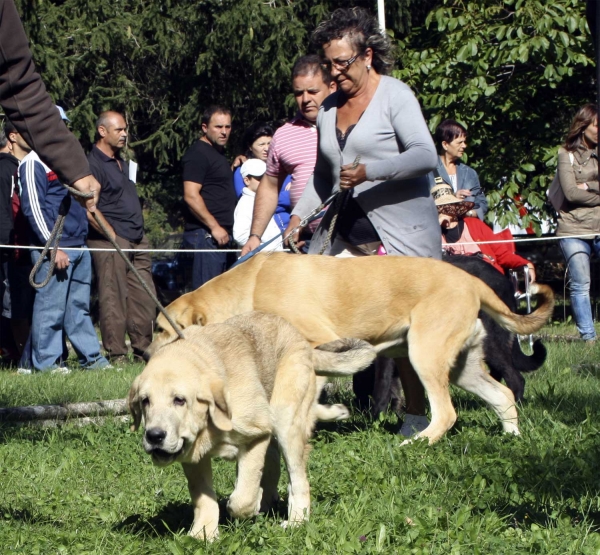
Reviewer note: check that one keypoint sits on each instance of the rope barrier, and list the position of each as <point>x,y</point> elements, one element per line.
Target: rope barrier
<point>499,241</point>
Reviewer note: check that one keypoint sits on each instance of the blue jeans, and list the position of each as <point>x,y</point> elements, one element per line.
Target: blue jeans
<point>577,253</point>
<point>206,265</point>
<point>63,307</point>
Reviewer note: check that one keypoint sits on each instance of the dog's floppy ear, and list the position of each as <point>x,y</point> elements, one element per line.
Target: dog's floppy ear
<point>217,406</point>
<point>134,405</point>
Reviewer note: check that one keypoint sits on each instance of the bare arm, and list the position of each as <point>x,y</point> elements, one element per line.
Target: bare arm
<point>195,202</point>
<point>265,204</point>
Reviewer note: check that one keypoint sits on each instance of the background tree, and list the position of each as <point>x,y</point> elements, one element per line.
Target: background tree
<point>513,72</point>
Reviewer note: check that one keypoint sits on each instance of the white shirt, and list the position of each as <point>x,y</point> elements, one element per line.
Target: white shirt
<point>242,221</point>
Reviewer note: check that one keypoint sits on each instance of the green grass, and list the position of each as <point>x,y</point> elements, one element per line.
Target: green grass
<point>93,490</point>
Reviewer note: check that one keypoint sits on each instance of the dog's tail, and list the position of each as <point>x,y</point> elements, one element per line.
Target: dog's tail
<point>342,357</point>
<point>525,363</point>
<point>517,323</point>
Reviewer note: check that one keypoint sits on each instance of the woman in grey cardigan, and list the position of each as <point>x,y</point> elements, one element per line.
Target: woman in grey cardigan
<point>580,213</point>
<point>374,144</point>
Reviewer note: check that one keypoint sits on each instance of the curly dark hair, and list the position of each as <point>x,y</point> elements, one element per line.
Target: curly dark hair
<point>362,30</point>
<point>256,131</point>
<point>447,131</point>
<point>585,116</point>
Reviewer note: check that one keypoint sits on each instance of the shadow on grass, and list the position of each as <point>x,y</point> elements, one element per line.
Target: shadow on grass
<point>17,515</point>
<point>172,518</point>
<point>523,516</point>
<point>178,517</point>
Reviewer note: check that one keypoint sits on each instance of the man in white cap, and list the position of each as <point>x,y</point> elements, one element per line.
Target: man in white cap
<point>252,172</point>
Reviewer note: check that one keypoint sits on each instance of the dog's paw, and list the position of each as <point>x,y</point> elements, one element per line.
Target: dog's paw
<point>329,413</point>
<point>206,533</point>
<point>242,508</point>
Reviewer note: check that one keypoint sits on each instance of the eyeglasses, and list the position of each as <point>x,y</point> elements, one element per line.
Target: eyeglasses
<point>342,65</point>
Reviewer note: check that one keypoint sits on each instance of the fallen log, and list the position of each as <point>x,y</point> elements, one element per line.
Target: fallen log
<point>65,411</point>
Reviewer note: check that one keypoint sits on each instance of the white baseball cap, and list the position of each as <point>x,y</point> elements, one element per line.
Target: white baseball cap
<point>253,167</point>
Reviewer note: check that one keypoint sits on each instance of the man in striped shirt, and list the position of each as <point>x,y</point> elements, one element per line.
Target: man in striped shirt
<point>62,306</point>
<point>293,150</point>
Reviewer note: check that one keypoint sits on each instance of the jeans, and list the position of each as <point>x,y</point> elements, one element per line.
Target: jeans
<point>577,253</point>
<point>63,307</point>
<point>206,265</point>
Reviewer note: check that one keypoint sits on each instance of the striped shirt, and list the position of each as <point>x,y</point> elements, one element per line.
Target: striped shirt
<point>293,151</point>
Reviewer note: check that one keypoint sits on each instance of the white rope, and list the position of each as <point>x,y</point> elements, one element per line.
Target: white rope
<point>448,245</point>
<point>124,250</point>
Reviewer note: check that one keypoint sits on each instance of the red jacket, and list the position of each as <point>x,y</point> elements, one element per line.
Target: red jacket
<point>501,255</point>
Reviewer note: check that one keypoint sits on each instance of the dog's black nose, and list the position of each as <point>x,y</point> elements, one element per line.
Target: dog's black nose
<point>155,435</point>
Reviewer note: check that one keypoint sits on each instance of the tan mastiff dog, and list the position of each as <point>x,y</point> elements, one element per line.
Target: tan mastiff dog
<point>419,307</point>
<point>227,390</point>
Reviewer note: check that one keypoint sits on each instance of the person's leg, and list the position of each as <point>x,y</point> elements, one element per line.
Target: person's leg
<point>48,317</point>
<point>141,310</point>
<point>112,295</point>
<point>78,324</point>
<point>21,296</point>
<point>577,257</point>
<point>207,265</point>
<point>414,395</point>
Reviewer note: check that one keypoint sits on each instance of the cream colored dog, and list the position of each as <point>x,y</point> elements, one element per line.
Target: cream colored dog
<point>225,391</point>
<point>401,305</point>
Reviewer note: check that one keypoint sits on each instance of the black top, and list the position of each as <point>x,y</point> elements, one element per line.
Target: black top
<point>119,201</point>
<point>353,225</point>
<point>8,167</point>
<point>204,164</point>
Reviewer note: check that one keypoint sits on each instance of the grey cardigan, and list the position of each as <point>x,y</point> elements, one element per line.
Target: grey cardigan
<point>394,142</point>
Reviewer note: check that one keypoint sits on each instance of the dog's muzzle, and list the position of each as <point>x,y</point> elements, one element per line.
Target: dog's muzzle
<point>154,445</point>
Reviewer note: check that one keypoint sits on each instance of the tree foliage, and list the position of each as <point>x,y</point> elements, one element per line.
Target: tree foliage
<point>514,72</point>
<point>162,62</point>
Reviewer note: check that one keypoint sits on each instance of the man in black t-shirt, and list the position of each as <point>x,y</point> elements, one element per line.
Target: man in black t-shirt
<point>125,307</point>
<point>209,197</point>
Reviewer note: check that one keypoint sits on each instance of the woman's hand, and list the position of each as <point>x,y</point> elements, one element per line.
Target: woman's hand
<point>446,222</point>
<point>294,221</point>
<point>352,175</point>
<point>239,160</point>
<point>462,194</point>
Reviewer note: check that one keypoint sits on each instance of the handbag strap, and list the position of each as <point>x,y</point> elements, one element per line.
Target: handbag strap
<point>438,179</point>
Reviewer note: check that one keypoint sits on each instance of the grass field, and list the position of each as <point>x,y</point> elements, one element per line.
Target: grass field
<point>84,490</point>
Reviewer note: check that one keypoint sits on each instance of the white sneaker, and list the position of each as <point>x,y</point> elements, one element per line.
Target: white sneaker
<point>413,424</point>
<point>61,370</point>
<point>24,371</point>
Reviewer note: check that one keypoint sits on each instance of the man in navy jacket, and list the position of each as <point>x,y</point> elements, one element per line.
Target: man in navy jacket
<point>62,306</point>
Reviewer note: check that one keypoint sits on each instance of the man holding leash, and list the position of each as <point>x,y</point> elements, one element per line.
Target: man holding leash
<point>293,149</point>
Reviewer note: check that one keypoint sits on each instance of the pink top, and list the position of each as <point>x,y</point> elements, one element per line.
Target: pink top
<point>459,247</point>
<point>293,151</point>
